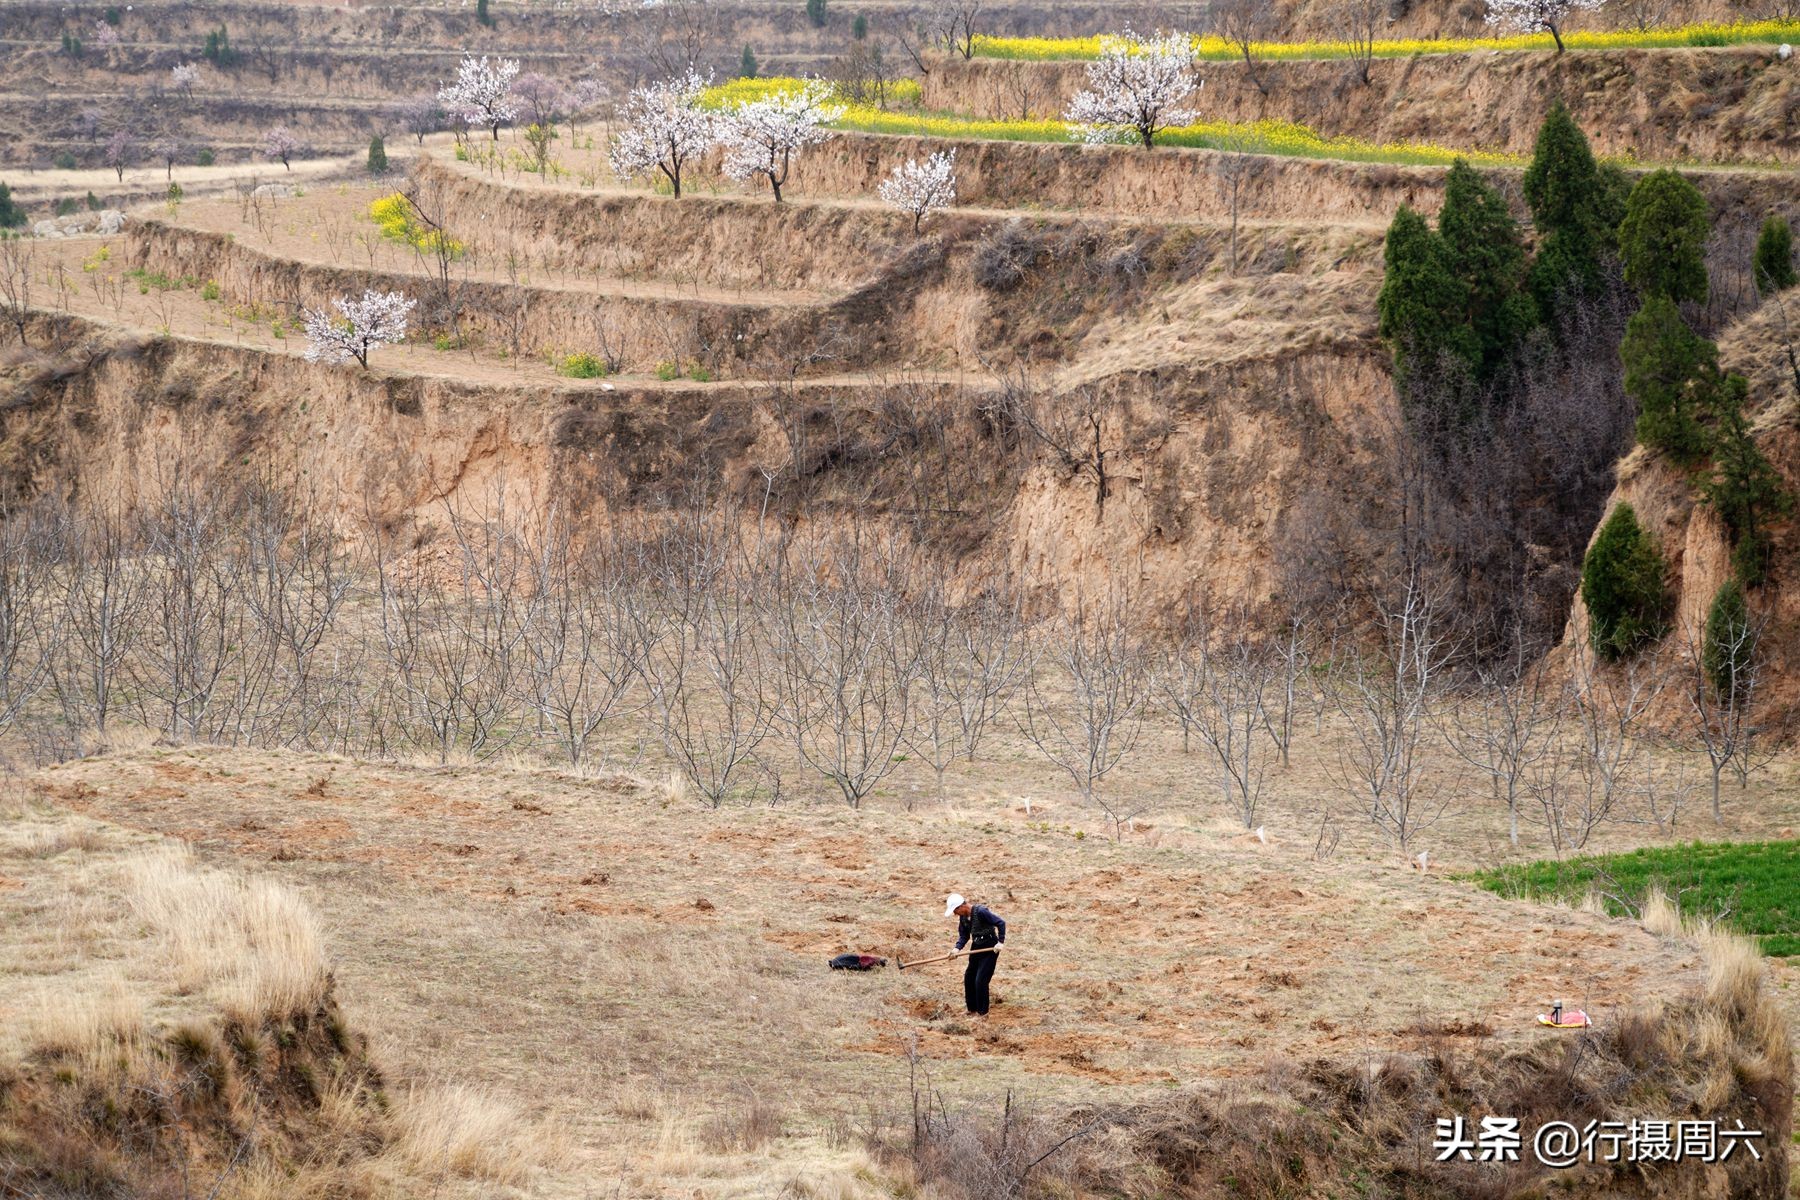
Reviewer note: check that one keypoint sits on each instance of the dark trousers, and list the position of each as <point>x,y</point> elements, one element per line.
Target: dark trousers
<point>976,977</point>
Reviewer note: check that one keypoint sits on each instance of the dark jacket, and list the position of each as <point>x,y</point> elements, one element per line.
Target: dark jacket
<point>983,925</point>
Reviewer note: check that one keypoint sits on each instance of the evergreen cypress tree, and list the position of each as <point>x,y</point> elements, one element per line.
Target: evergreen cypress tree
<point>1486,253</point>
<point>1573,206</point>
<point>1622,587</point>
<point>1422,302</point>
<point>859,28</point>
<point>11,215</point>
<point>378,163</point>
<point>1671,372</point>
<point>1728,646</point>
<point>747,64</point>
<point>815,12</point>
<point>1662,239</point>
<point>1744,489</point>
<point>1775,256</point>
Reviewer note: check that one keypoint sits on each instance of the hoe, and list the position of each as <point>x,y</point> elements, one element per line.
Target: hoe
<point>919,962</point>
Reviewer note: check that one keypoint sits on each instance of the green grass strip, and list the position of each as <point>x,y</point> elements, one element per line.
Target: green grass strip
<point>1216,49</point>
<point>1756,885</point>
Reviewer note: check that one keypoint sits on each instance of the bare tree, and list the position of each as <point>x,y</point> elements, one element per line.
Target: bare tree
<point>196,621</point>
<point>1234,167</point>
<point>1508,724</point>
<point>588,640</point>
<point>968,662</point>
<point>1236,676</point>
<point>710,673</point>
<point>1244,24</point>
<point>846,678</point>
<point>1358,20</point>
<point>1725,664</point>
<point>1084,714</point>
<point>676,35</point>
<point>951,24</point>
<point>28,623</point>
<point>1585,785</point>
<point>103,593</point>
<point>1390,700</point>
<point>1015,89</point>
<point>18,263</point>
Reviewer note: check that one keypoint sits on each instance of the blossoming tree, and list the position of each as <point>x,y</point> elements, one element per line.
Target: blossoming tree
<point>664,129</point>
<point>1136,88</point>
<point>280,145</point>
<point>183,76</point>
<point>761,136</point>
<point>1529,16</point>
<point>378,319</point>
<point>482,95</point>
<point>922,187</point>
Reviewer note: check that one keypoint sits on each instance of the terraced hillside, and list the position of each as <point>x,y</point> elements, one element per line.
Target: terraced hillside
<point>1104,371</point>
<point>331,72</point>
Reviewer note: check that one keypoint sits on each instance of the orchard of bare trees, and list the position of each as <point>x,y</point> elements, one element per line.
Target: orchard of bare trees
<point>751,665</point>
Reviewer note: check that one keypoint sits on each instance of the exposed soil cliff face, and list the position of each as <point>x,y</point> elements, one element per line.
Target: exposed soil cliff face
<point>1200,466</point>
<point>1696,545</point>
<point>1737,103</point>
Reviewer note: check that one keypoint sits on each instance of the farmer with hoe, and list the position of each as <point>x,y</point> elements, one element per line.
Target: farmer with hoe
<point>984,932</point>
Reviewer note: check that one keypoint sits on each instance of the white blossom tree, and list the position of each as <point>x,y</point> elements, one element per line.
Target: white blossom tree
<point>378,319</point>
<point>280,145</point>
<point>664,129</point>
<point>1529,16</point>
<point>183,76</point>
<point>482,95</point>
<point>762,135</point>
<point>1134,89</point>
<point>922,186</point>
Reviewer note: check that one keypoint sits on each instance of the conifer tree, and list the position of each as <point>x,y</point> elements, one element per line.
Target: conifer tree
<point>1486,253</point>
<point>1744,489</point>
<point>1671,372</point>
<point>1575,207</point>
<point>1662,239</point>
<point>1623,588</point>
<point>1422,302</point>
<point>1774,262</point>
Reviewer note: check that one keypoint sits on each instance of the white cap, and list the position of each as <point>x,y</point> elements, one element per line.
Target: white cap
<point>951,903</point>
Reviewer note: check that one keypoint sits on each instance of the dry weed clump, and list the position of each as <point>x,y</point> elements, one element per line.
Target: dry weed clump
<point>208,1058</point>
<point>1723,1054</point>
<point>450,1129</point>
<point>254,943</point>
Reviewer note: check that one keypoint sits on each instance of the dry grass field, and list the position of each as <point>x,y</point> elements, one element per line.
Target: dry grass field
<point>648,978</point>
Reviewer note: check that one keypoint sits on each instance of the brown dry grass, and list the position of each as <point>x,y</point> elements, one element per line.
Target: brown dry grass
<point>163,1023</point>
<point>559,950</point>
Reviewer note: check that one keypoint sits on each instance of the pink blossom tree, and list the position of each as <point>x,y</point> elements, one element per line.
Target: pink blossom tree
<point>1529,16</point>
<point>760,137</point>
<point>482,95</point>
<point>280,145</point>
<point>664,129</point>
<point>922,187</point>
<point>378,319</point>
<point>120,153</point>
<point>1134,89</point>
